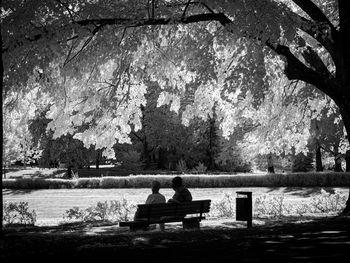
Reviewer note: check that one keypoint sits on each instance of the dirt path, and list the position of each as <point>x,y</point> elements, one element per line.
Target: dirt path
<point>322,240</point>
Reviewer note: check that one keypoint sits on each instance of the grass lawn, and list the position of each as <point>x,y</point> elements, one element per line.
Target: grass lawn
<point>316,237</point>
<point>51,204</point>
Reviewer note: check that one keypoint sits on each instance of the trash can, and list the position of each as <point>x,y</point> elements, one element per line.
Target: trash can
<point>244,207</point>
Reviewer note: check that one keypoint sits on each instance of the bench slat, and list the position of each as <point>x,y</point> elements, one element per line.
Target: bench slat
<point>157,221</point>
<point>197,202</point>
<point>188,208</point>
<point>172,212</point>
<point>155,211</point>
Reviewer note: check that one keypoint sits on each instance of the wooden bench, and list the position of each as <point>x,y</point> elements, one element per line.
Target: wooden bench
<point>169,212</point>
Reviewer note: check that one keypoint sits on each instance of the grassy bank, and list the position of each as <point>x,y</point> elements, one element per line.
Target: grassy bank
<point>330,179</point>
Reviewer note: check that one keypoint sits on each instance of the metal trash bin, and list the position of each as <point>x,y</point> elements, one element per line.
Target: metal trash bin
<point>244,208</point>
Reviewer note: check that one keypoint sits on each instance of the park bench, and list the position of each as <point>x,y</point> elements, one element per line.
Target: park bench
<point>168,213</point>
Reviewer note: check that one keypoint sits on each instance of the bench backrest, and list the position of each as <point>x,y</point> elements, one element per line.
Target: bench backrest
<point>174,209</point>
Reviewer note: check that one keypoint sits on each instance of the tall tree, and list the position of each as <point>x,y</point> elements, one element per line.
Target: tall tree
<point>68,46</point>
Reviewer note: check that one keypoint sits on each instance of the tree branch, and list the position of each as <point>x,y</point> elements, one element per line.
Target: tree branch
<point>138,137</point>
<point>184,13</point>
<point>295,69</point>
<point>313,28</point>
<point>313,11</point>
<point>127,22</point>
<point>315,62</point>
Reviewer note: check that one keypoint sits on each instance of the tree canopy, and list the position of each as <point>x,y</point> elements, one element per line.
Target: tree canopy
<point>91,63</point>
<point>95,58</point>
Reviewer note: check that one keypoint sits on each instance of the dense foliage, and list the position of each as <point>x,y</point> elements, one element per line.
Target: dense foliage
<point>254,65</point>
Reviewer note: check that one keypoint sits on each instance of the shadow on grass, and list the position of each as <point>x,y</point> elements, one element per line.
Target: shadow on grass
<point>18,191</point>
<point>302,191</point>
<point>308,191</point>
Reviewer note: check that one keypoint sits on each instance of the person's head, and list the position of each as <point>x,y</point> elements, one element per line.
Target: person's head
<point>155,187</point>
<point>176,182</point>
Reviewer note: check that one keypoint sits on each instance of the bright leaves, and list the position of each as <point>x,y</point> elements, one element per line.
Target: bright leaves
<point>96,59</point>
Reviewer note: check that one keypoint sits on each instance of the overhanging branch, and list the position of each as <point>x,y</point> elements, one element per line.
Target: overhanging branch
<point>295,69</point>
<point>313,11</point>
<point>127,22</point>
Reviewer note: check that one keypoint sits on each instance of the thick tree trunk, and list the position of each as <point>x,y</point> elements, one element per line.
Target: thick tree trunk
<point>2,132</point>
<point>347,161</point>
<point>319,167</point>
<point>345,112</point>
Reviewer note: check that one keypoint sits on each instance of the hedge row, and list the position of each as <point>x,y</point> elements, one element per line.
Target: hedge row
<point>323,179</point>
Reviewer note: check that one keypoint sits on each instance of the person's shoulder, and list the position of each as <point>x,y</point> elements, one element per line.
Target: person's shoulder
<point>161,195</point>
<point>186,189</point>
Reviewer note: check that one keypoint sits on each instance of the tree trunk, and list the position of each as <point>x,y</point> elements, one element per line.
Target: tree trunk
<point>337,159</point>
<point>270,167</point>
<point>146,156</point>
<point>2,126</point>
<point>347,161</point>
<point>319,167</point>
<point>210,150</point>
<point>162,159</point>
<point>97,159</point>
<point>345,113</point>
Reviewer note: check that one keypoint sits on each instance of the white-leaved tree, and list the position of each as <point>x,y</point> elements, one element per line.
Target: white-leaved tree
<point>92,57</point>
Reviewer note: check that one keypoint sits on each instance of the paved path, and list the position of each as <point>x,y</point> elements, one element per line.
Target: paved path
<point>323,240</point>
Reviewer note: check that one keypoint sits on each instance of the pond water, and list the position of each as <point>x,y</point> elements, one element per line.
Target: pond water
<point>51,204</point>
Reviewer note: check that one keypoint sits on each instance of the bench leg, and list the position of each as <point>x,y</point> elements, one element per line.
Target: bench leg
<point>162,226</point>
<point>136,228</point>
<point>191,224</point>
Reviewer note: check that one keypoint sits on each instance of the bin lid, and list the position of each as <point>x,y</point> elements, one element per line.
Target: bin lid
<point>244,193</point>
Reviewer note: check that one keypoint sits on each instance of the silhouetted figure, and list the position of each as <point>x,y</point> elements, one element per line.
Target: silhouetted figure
<point>182,194</point>
<point>154,198</point>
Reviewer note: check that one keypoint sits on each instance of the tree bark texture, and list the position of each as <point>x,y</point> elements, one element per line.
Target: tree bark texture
<point>270,166</point>
<point>319,167</point>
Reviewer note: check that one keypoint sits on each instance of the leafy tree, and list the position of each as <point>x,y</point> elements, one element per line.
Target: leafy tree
<point>17,139</point>
<point>71,50</point>
<point>64,149</point>
<point>329,133</point>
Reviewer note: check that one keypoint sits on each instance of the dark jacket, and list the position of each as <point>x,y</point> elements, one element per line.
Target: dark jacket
<point>182,194</point>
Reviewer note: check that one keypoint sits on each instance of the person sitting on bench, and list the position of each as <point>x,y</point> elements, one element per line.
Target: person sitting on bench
<point>154,198</point>
<point>182,194</point>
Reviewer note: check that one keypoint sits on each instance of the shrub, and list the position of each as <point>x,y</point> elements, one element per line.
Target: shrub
<point>91,182</point>
<point>130,159</point>
<point>114,211</point>
<point>327,202</point>
<point>302,163</point>
<point>331,179</point>
<point>181,166</point>
<point>18,213</point>
<point>200,168</point>
<point>225,207</point>
<point>267,205</point>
